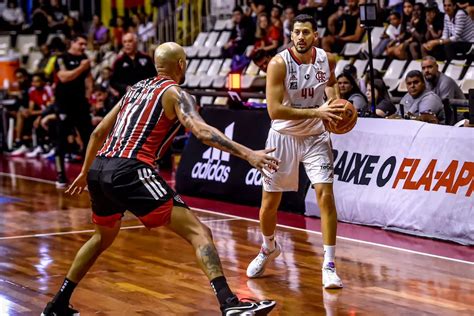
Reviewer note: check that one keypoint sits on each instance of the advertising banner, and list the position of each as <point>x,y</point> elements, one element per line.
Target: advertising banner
<point>406,176</point>
<point>208,171</point>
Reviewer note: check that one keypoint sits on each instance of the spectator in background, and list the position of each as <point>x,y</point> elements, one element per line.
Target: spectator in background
<point>101,104</point>
<point>103,80</point>
<point>261,58</point>
<point>40,97</point>
<point>73,90</point>
<point>56,47</point>
<point>72,28</point>
<point>320,9</point>
<point>468,6</point>
<point>131,66</point>
<point>458,31</point>
<point>243,34</point>
<point>58,14</point>
<point>290,14</point>
<point>275,16</point>
<point>349,31</point>
<point>383,106</point>
<point>434,23</point>
<point>146,28</point>
<point>417,31</point>
<point>419,100</point>
<point>350,91</point>
<point>12,17</point>
<point>117,33</point>
<point>443,86</point>
<point>18,90</point>
<point>98,33</point>
<point>40,20</point>
<point>390,34</point>
<point>267,35</point>
<point>351,70</point>
<point>397,48</point>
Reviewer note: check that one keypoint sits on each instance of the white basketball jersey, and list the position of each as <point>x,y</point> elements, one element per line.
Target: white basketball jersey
<point>304,88</point>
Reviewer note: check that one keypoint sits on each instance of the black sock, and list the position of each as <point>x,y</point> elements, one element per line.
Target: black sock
<point>222,290</point>
<point>64,294</point>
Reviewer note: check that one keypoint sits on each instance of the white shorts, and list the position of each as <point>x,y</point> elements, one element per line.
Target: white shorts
<point>314,151</point>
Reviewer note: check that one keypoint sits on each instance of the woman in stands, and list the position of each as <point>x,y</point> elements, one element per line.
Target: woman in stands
<point>350,91</point>
<point>383,106</point>
<point>267,35</point>
<point>458,32</point>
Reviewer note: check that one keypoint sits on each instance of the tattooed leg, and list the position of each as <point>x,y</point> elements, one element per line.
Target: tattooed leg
<point>209,261</point>
<point>188,226</point>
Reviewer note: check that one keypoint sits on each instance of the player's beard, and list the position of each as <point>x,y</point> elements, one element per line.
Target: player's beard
<point>302,50</point>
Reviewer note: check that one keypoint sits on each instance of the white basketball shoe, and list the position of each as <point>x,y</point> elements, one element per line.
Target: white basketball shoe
<point>257,266</point>
<point>330,278</point>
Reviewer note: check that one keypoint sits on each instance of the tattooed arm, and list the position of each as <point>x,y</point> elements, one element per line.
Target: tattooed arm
<point>184,108</point>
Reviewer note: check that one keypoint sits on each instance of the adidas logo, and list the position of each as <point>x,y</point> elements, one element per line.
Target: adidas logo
<point>212,170</point>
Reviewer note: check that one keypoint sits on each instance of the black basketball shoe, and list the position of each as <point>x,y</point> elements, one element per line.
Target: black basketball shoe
<point>54,310</point>
<point>234,307</point>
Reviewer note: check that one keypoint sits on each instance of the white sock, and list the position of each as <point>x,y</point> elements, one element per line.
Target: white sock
<point>269,242</point>
<point>329,254</point>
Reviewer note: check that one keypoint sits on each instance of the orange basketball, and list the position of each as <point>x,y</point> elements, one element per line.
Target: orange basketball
<point>349,118</point>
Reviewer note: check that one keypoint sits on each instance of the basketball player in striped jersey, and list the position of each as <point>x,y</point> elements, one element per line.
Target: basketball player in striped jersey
<point>120,175</point>
<point>298,80</point>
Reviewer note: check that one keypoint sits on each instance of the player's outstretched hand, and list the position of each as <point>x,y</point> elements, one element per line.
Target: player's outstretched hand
<point>261,160</point>
<point>79,184</point>
<point>329,111</point>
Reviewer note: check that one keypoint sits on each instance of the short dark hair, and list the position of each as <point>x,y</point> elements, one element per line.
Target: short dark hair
<point>415,73</point>
<point>238,9</point>
<point>259,55</point>
<point>303,18</point>
<point>78,36</point>
<point>39,75</point>
<point>396,14</point>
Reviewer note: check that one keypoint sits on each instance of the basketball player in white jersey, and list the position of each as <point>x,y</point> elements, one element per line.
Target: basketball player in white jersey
<point>299,79</point>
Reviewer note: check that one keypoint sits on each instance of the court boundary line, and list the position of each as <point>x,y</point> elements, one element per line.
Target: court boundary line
<point>284,226</point>
<point>72,232</point>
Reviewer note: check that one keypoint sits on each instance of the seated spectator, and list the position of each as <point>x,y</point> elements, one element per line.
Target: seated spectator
<point>101,104</point>
<point>242,35</point>
<point>12,16</point>
<point>103,80</point>
<point>351,69</point>
<point>349,31</point>
<point>458,31</point>
<point>118,32</point>
<point>468,6</point>
<point>419,100</point>
<point>58,14</point>
<point>417,31</point>
<point>267,35</point>
<point>275,16</point>
<point>383,106</point>
<point>290,14</point>
<point>434,23</point>
<point>443,86</point>
<point>131,66</point>
<point>390,34</point>
<point>320,9</point>
<point>98,33</point>
<point>146,29</point>
<point>397,48</point>
<point>350,91</point>
<point>43,62</point>
<point>40,20</point>
<point>72,28</point>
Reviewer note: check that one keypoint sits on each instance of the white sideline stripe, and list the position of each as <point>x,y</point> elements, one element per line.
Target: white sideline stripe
<point>288,227</point>
<point>339,237</point>
<point>93,230</point>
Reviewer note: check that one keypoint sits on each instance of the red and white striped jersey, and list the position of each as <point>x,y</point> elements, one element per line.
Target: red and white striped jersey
<point>142,130</point>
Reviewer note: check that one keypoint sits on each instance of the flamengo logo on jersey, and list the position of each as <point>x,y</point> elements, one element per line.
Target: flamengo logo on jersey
<point>212,169</point>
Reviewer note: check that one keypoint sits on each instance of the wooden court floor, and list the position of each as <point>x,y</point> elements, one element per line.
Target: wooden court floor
<point>154,272</point>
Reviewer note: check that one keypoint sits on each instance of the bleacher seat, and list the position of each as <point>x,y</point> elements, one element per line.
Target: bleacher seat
<point>194,79</point>
<point>192,51</point>
<point>340,66</point>
<point>352,49</point>
<point>217,50</point>
<point>191,70</point>
<point>26,42</point>
<point>209,45</point>
<point>221,101</point>
<point>361,65</point>
<point>393,73</point>
<point>206,100</point>
<point>219,81</point>
<point>455,69</point>
<point>206,80</point>
<point>5,42</point>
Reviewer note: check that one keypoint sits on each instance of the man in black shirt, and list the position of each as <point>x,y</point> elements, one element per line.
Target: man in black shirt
<point>131,66</point>
<point>73,88</point>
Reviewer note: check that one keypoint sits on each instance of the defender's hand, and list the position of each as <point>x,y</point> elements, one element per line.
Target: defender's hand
<point>262,161</point>
<point>79,184</point>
